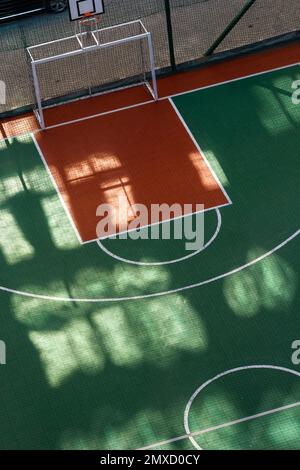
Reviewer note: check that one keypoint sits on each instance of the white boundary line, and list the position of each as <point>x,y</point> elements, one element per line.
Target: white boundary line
<point>237,79</point>
<point>191,435</point>
<point>95,95</point>
<point>222,426</point>
<point>56,188</point>
<point>95,116</point>
<point>155,294</point>
<point>197,145</point>
<point>225,82</point>
<point>217,377</point>
<point>162,263</point>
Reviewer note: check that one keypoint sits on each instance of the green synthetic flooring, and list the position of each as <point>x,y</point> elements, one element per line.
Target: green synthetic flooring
<point>105,355</point>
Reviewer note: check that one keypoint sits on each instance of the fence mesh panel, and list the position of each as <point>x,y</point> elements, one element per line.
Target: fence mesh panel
<point>265,19</point>
<point>196,25</point>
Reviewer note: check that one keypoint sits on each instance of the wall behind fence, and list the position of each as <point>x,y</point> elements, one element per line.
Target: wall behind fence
<point>184,32</point>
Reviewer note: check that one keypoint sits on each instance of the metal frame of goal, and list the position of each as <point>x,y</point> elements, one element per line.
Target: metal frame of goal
<point>91,63</point>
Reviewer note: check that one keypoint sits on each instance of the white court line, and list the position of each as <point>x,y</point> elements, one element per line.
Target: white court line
<point>190,435</point>
<point>94,116</point>
<point>155,294</point>
<point>219,376</point>
<point>197,145</point>
<point>56,188</point>
<point>173,261</point>
<point>95,95</point>
<point>222,426</point>
<point>225,82</point>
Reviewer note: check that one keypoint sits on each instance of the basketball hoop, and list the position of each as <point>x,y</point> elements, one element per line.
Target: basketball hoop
<point>89,20</point>
<point>89,27</point>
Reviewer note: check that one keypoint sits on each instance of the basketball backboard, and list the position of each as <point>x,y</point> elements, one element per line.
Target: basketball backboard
<point>78,8</point>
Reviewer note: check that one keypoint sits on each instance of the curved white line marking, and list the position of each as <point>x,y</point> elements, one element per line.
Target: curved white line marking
<point>156,294</point>
<point>173,261</point>
<point>191,435</point>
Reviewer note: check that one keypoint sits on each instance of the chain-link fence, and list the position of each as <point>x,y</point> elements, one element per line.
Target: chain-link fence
<point>184,32</point>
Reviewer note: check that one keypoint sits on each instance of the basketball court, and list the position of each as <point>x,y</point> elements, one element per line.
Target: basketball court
<point>138,343</point>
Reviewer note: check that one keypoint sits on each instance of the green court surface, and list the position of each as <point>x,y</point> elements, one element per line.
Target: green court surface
<point>105,354</point>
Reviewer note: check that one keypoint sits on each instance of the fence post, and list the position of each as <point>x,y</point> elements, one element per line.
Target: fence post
<point>170,35</point>
<point>229,27</point>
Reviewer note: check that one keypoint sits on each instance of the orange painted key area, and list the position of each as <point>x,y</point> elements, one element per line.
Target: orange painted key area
<point>143,154</point>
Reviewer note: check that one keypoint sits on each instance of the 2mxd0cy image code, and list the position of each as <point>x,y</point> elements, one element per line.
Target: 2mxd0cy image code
<point>151,459</point>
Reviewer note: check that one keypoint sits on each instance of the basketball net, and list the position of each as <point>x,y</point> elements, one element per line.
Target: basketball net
<point>89,29</point>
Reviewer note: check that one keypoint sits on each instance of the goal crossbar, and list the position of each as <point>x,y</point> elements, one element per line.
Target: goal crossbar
<point>38,58</point>
<point>84,49</point>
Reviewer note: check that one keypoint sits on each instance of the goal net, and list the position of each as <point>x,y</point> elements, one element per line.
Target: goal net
<point>90,63</point>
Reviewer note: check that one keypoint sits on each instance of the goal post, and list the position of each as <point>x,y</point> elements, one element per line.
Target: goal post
<point>90,63</point>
